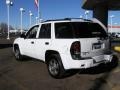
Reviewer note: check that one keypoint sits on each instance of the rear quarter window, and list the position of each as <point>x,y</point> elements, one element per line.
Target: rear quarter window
<point>79,30</point>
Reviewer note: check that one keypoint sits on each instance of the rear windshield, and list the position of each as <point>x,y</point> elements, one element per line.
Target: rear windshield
<point>79,30</point>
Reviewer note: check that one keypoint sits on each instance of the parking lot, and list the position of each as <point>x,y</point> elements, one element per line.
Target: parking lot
<point>32,74</point>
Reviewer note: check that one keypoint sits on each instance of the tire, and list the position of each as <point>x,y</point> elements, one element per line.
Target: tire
<point>17,53</point>
<point>114,62</point>
<point>55,66</point>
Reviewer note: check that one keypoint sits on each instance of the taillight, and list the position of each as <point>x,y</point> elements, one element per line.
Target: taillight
<point>75,50</point>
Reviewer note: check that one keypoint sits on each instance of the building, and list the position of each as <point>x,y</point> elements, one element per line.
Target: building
<point>101,7</point>
<point>114,29</point>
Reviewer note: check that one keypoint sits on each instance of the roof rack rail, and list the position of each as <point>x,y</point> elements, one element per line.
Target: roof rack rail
<point>67,19</point>
<point>77,18</point>
<point>54,20</point>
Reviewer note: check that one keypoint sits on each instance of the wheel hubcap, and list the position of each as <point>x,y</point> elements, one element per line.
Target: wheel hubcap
<point>53,67</point>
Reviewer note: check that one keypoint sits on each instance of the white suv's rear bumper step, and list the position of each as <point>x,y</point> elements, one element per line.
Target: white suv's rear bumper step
<point>87,63</point>
<point>101,58</point>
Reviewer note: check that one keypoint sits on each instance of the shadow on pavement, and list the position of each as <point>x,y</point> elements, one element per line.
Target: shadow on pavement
<point>107,69</point>
<point>99,82</point>
<point>2,46</point>
<point>102,68</point>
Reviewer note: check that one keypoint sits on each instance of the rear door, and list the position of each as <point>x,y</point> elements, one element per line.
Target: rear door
<point>43,41</point>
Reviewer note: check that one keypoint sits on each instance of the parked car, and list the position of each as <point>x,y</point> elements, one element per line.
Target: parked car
<point>112,35</point>
<point>117,35</point>
<point>65,44</point>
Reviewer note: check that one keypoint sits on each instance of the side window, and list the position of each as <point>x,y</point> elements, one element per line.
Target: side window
<point>63,30</point>
<point>32,32</point>
<point>45,31</point>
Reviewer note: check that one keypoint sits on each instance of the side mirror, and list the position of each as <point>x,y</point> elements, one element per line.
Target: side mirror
<point>22,35</point>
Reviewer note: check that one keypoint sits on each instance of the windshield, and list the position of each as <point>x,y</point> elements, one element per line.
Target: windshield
<point>79,30</point>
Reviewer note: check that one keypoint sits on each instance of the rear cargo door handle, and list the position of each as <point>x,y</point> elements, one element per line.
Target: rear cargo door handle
<point>46,43</point>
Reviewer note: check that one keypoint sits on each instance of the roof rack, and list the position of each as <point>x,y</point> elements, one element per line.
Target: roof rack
<point>54,20</point>
<point>77,19</point>
<point>67,19</point>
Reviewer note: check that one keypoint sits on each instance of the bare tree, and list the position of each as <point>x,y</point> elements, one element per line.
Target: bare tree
<point>4,28</point>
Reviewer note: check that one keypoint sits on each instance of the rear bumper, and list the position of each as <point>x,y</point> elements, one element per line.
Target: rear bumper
<point>69,63</point>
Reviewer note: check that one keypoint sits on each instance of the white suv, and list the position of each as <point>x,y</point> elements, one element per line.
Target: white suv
<point>65,44</point>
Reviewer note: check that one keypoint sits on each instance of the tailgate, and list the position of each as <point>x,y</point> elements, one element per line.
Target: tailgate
<point>91,47</point>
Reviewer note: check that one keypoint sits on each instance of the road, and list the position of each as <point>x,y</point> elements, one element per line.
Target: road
<point>33,75</point>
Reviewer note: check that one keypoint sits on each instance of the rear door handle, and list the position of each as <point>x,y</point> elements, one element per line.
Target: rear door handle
<point>32,42</point>
<point>46,43</point>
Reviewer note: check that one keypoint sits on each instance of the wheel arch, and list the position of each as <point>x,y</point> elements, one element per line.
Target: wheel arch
<point>50,52</point>
<point>55,54</point>
<point>15,46</point>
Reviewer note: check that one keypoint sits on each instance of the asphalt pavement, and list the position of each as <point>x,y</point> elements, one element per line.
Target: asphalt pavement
<point>32,74</point>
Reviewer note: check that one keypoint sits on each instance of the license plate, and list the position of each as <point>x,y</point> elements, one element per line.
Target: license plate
<point>97,45</point>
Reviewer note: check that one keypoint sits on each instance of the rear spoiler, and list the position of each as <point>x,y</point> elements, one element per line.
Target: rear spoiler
<point>100,23</point>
